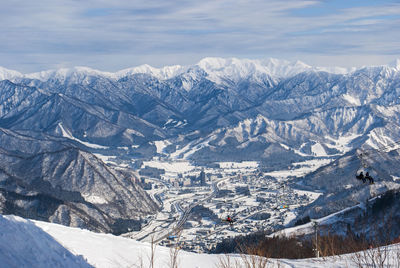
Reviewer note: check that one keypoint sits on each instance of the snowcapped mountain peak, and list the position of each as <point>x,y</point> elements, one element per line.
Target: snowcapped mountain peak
<point>217,69</point>
<point>80,72</point>
<point>284,68</point>
<point>163,73</point>
<point>233,69</point>
<point>227,65</point>
<point>236,69</point>
<point>211,63</point>
<point>64,73</point>
<point>8,74</point>
<point>395,64</point>
<point>220,69</point>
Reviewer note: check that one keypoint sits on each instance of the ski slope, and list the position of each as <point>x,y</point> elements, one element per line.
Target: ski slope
<point>26,243</point>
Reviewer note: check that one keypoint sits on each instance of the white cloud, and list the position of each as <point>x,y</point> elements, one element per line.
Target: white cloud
<point>117,34</point>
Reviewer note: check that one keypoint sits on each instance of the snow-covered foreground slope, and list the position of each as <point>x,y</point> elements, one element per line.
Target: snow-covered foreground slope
<point>25,243</point>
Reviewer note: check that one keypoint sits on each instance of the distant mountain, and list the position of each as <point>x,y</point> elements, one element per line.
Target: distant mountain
<point>51,179</point>
<point>8,74</point>
<point>337,181</point>
<point>215,67</point>
<point>273,111</point>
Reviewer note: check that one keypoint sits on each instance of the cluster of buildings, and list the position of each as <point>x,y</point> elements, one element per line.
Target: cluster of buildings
<point>148,174</point>
<point>253,200</point>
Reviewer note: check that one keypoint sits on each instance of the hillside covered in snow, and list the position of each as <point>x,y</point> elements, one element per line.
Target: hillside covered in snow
<point>25,243</point>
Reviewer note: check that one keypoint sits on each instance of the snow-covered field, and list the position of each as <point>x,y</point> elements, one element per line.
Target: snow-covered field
<point>238,165</point>
<point>65,133</point>
<point>25,243</point>
<point>300,169</point>
<point>171,166</point>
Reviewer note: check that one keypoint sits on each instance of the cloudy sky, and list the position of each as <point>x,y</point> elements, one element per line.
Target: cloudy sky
<point>114,34</point>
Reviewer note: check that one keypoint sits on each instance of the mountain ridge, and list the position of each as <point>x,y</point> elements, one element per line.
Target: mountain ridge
<point>227,66</point>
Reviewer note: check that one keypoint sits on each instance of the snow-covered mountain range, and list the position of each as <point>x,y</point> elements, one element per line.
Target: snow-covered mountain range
<point>215,67</point>
<point>272,111</point>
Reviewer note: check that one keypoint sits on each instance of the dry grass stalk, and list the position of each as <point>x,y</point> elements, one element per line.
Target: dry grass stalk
<point>174,252</point>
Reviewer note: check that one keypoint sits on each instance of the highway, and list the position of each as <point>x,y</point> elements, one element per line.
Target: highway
<point>162,234</point>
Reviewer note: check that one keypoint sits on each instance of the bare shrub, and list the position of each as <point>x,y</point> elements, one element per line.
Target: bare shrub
<point>375,251</point>
<point>374,257</point>
<point>153,246</point>
<point>173,256</point>
<point>253,257</point>
<point>174,252</point>
<point>250,257</point>
<point>334,245</point>
<point>226,261</point>
<point>140,262</point>
<point>285,247</point>
<point>247,261</point>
